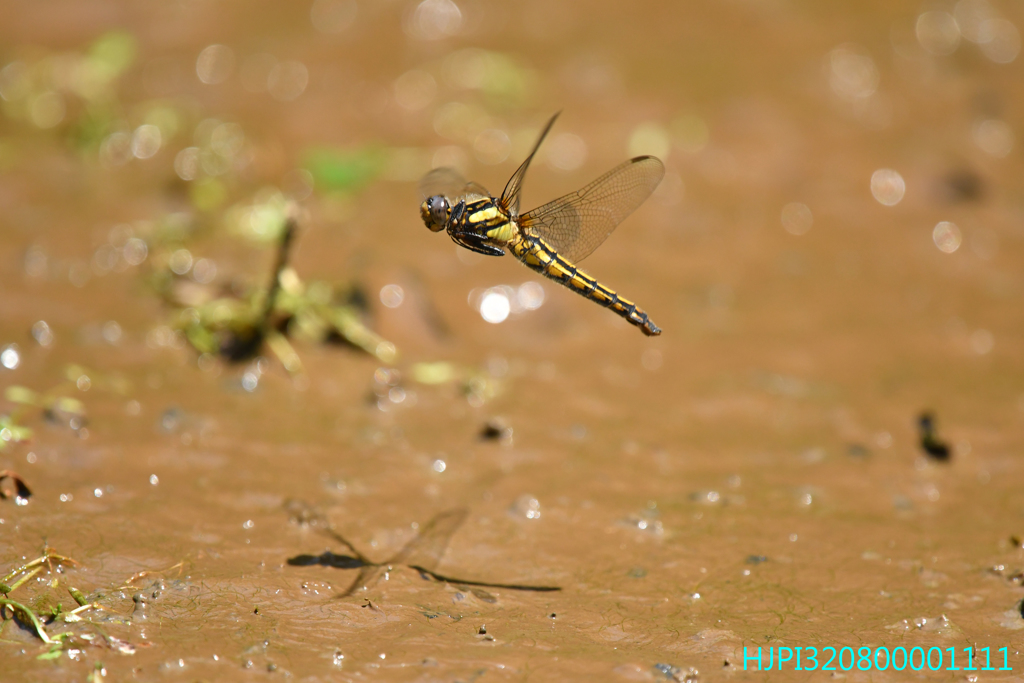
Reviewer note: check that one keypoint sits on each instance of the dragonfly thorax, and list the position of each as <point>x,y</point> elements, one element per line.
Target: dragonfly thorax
<point>435,212</point>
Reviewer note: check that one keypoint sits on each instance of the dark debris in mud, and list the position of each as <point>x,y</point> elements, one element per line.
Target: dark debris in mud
<point>13,486</point>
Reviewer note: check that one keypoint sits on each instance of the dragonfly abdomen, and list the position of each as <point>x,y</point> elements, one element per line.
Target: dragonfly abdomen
<point>537,255</point>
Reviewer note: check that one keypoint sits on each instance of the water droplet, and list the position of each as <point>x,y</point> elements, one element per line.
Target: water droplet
<point>530,296</point>
<point>204,271</point>
<point>853,75</point>
<point>947,237</point>
<point>887,186</point>
<point>250,381</point>
<point>392,296</point>
<point>180,261</point>
<point>215,64</point>
<point>186,163</point>
<point>111,332</point>
<point>566,152</point>
<point>981,342</point>
<point>146,141</point>
<point>797,218</point>
<point>495,306</point>
<point>1001,40</point>
<point>526,506</point>
<point>10,357</point>
<point>333,16</point>
<point>938,32</point>
<point>649,138</point>
<point>651,359</point>
<point>227,140</point>
<point>287,80</point>
<point>433,20</point>
<point>971,16</point>
<point>116,149</point>
<point>15,81</point>
<point>135,251</point>
<point>42,334</point>
<point>492,146</point>
<point>691,133</point>
<point>994,137</point>
<point>47,109</point>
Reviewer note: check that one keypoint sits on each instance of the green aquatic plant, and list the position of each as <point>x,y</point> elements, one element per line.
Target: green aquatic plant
<point>345,170</point>
<point>41,616</point>
<point>18,577</point>
<point>55,404</point>
<point>71,91</point>
<point>10,431</point>
<point>477,385</point>
<point>238,325</point>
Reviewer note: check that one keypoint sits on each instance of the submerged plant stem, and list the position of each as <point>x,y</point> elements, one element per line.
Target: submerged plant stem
<point>31,616</point>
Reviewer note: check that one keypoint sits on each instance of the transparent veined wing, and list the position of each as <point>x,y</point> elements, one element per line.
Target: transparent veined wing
<point>449,183</point>
<point>510,196</point>
<point>430,543</point>
<point>423,552</point>
<point>576,224</point>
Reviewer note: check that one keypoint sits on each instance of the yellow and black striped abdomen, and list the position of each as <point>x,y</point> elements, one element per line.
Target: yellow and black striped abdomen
<point>538,255</point>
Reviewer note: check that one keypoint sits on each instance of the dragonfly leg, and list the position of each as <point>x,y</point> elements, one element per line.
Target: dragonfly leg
<point>478,243</point>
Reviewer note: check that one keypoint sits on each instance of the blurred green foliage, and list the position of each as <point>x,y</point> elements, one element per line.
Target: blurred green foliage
<point>237,324</point>
<point>345,170</point>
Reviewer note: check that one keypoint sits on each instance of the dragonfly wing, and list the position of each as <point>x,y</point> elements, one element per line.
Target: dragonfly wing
<point>576,224</point>
<point>510,197</point>
<point>449,183</point>
<point>425,551</point>
<point>368,576</point>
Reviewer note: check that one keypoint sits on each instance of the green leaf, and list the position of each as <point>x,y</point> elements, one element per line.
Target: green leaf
<point>207,194</point>
<point>347,170</point>
<point>113,53</point>
<point>72,372</point>
<point>69,405</point>
<point>19,433</point>
<point>77,595</point>
<point>22,395</point>
<point>440,372</point>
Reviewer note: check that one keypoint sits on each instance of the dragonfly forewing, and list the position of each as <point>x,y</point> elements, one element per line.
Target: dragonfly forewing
<point>579,222</point>
<point>450,184</point>
<point>510,196</point>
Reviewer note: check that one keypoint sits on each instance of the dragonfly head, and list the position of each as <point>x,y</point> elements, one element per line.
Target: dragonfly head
<point>435,212</point>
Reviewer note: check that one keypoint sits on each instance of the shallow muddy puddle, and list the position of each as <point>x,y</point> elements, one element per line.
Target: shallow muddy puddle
<point>834,252</point>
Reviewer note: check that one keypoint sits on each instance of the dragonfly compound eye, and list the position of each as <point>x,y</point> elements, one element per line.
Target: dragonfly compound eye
<point>437,207</point>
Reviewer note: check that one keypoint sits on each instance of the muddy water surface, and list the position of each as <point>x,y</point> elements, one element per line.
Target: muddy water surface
<point>753,477</point>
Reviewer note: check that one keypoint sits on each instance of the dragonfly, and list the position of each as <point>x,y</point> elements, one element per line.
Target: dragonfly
<point>552,238</point>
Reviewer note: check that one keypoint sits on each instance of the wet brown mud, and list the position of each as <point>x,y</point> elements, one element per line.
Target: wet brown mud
<point>835,250</point>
